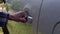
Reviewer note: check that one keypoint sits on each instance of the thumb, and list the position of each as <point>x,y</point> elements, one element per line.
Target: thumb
<point>23,20</point>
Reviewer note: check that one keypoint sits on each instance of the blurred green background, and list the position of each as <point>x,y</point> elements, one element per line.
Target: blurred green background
<point>18,28</point>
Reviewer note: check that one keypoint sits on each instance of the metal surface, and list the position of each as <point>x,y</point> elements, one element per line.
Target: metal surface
<point>49,15</point>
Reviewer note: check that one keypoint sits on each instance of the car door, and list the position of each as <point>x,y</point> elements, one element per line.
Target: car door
<point>49,16</point>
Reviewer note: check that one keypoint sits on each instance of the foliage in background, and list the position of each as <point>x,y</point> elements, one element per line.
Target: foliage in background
<point>19,28</point>
<point>17,5</point>
<point>7,5</point>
